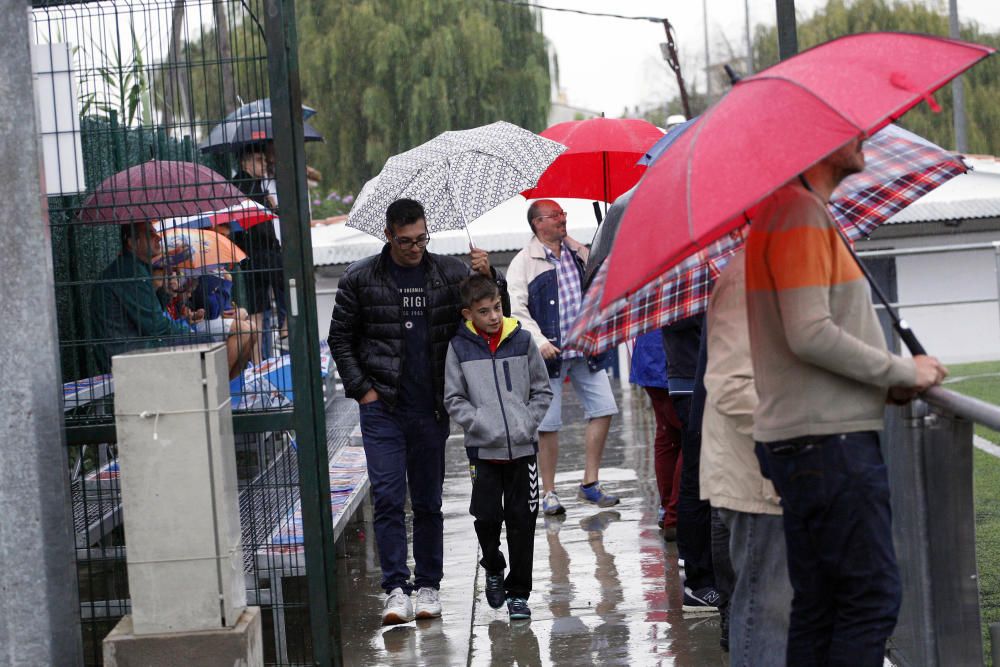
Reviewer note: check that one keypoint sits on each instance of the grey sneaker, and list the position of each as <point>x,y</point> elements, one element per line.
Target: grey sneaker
<point>397,608</point>
<point>551,505</point>
<point>428,603</point>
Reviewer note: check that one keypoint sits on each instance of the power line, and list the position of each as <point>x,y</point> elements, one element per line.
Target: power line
<point>520,3</point>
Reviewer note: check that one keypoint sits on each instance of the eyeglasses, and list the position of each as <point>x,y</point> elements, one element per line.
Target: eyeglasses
<point>557,214</point>
<point>406,244</point>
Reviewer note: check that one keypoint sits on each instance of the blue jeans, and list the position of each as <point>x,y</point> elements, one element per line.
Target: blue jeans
<point>406,449</point>
<point>761,597</point>
<point>838,532</point>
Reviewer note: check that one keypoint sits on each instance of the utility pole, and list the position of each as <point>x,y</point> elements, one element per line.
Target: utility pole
<point>746,24</point>
<point>669,50</point>
<point>957,86</point>
<point>708,57</point>
<point>788,39</point>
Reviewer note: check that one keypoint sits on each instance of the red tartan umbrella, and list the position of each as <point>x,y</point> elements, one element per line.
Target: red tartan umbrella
<point>600,162</point>
<point>156,190</point>
<point>900,167</point>
<point>768,129</point>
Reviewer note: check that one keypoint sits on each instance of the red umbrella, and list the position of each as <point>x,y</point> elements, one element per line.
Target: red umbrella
<point>600,162</point>
<point>900,167</point>
<point>156,190</point>
<point>769,128</point>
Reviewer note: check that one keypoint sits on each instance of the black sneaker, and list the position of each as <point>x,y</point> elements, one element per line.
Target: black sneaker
<point>494,589</point>
<point>518,608</point>
<point>704,600</point>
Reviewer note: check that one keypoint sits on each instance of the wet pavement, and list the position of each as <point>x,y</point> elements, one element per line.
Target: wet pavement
<point>607,590</point>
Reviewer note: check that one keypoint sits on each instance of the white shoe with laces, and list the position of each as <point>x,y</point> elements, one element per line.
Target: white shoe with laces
<point>428,603</point>
<point>397,608</point>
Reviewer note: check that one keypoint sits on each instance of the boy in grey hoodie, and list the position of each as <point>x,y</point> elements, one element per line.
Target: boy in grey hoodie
<point>497,388</point>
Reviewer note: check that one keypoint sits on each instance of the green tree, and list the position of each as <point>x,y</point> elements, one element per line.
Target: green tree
<point>386,75</point>
<point>982,82</point>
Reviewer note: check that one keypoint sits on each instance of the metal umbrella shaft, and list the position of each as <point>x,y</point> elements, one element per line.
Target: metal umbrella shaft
<point>901,325</point>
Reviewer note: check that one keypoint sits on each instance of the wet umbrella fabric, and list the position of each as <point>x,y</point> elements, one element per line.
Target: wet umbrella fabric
<point>900,168</point>
<point>457,176</point>
<point>156,190</point>
<point>600,162</point>
<point>249,130</point>
<point>769,128</point>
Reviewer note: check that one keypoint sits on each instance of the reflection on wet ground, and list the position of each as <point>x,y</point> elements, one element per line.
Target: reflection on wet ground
<point>606,588</point>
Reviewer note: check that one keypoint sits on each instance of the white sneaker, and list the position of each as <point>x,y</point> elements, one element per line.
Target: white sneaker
<point>551,505</point>
<point>397,608</point>
<point>428,603</point>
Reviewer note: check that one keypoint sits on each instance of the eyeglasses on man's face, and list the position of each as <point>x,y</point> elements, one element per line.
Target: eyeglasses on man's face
<point>553,216</point>
<point>405,243</point>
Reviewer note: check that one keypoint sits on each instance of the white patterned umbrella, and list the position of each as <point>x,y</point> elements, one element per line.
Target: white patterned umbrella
<point>457,176</point>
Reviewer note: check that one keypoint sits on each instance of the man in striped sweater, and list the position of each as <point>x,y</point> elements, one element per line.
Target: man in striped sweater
<point>823,374</point>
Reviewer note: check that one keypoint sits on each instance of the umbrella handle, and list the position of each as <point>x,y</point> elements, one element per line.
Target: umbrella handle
<point>909,338</point>
<point>597,212</point>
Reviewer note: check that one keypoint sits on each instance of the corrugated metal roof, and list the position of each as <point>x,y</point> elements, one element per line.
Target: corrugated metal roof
<point>505,228</point>
<point>965,197</point>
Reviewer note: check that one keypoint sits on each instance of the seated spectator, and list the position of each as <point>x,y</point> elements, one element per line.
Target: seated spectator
<point>130,316</point>
<point>213,293</point>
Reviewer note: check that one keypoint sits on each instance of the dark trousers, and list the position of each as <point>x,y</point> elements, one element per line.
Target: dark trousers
<point>694,515</point>
<point>838,533</point>
<point>406,449</point>
<point>666,452</point>
<point>506,494</point>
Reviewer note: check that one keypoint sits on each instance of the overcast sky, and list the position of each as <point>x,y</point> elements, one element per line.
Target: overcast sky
<point>606,64</point>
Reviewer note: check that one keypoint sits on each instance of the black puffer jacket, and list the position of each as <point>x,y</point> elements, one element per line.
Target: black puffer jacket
<point>366,330</point>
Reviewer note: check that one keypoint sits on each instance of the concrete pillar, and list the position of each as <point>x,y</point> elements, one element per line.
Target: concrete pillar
<point>39,605</point>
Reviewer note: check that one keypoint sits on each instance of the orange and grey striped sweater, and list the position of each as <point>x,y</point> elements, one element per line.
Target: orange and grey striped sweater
<point>820,361</point>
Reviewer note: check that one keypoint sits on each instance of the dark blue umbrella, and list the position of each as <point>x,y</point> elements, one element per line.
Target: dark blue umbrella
<point>654,152</point>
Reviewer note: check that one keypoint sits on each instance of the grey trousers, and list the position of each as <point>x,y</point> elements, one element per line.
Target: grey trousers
<point>761,600</point>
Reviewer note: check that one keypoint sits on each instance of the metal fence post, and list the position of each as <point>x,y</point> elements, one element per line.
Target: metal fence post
<point>930,468</point>
<point>309,417</point>
<point>40,606</point>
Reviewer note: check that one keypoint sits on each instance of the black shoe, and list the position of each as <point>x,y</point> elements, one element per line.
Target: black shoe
<point>518,608</point>
<point>704,600</point>
<point>494,589</point>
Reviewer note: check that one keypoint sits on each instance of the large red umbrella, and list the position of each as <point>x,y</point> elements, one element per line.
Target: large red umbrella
<point>769,128</point>
<point>900,167</point>
<point>156,190</point>
<point>600,160</point>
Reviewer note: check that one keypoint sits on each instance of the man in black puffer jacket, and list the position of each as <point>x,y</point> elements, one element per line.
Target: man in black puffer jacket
<point>394,317</point>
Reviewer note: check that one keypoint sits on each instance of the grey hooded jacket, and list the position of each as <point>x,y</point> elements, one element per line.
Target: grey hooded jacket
<point>500,398</point>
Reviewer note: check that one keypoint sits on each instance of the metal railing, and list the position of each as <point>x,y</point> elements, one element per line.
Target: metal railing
<point>937,250</point>
<point>929,451</point>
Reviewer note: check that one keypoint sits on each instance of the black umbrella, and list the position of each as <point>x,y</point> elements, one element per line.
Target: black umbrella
<point>234,135</point>
<point>604,239</point>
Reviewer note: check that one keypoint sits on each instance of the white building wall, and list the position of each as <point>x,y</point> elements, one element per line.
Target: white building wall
<point>954,333</point>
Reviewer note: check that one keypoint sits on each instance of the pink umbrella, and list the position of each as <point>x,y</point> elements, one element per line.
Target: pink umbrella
<point>769,128</point>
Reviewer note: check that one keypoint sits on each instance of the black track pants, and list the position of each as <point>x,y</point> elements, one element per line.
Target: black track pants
<point>506,494</point>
